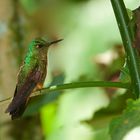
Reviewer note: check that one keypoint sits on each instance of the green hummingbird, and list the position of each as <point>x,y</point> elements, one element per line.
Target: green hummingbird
<point>31,75</point>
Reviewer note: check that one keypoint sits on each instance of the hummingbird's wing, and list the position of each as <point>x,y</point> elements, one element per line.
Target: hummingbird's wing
<point>23,91</point>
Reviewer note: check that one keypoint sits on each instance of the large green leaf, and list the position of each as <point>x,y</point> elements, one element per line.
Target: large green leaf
<point>130,119</point>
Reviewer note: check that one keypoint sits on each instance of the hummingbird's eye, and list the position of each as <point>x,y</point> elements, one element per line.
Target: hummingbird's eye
<point>39,46</point>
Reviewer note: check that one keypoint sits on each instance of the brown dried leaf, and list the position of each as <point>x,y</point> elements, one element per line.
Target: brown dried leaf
<point>136,42</point>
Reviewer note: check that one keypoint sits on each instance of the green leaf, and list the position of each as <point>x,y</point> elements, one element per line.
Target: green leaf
<point>130,13</point>
<point>102,134</point>
<point>130,119</point>
<point>125,75</point>
<point>38,101</point>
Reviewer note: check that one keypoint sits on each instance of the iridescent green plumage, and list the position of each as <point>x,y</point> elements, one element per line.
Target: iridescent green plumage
<point>32,73</point>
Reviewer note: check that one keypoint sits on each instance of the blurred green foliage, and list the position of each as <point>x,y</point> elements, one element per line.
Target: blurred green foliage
<point>91,50</point>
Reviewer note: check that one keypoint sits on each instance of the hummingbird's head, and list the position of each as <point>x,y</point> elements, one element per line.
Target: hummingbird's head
<point>41,44</point>
<point>39,47</point>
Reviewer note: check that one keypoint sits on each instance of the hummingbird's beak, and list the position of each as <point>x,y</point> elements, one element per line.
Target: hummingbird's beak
<point>56,41</point>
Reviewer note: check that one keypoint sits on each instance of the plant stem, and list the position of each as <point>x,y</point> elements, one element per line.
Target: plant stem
<point>81,85</point>
<point>86,85</point>
<point>131,54</point>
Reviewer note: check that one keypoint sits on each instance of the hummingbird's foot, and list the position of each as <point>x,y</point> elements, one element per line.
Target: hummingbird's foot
<point>39,86</point>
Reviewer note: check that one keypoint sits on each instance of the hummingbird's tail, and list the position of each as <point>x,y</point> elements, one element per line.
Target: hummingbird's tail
<point>17,111</point>
<point>17,107</point>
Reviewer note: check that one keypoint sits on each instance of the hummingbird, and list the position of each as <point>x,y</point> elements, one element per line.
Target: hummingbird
<point>31,76</point>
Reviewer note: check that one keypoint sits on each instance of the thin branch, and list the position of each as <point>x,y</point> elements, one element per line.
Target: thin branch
<point>6,99</point>
<point>104,84</point>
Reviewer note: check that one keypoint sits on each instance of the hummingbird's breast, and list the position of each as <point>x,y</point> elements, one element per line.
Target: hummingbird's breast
<point>43,69</point>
